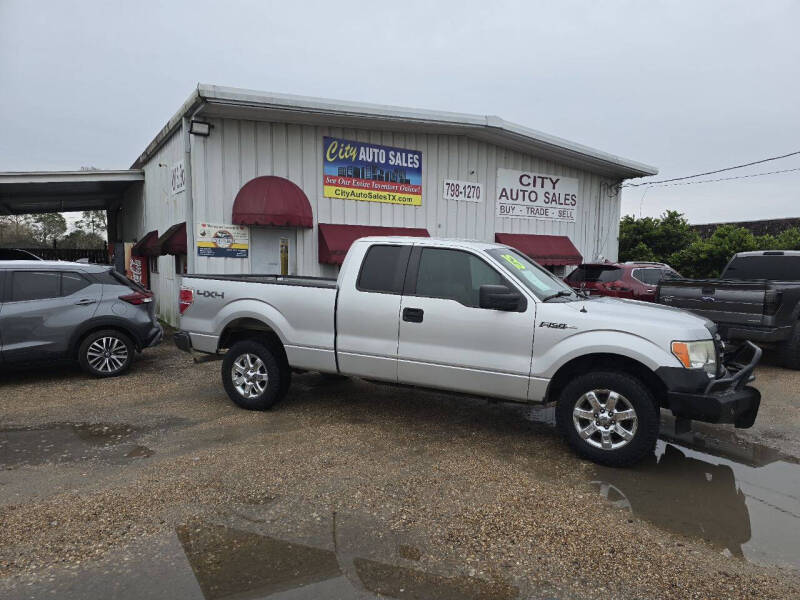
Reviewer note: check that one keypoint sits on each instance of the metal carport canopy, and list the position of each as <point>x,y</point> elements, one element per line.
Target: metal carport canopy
<point>64,191</point>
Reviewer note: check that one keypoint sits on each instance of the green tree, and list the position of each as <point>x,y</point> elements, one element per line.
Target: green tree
<point>654,239</point>
<point>92,221</point>
<point>78,238</point>
<point>17,230</point>
<point>49,227</point>
<point>706,258</point>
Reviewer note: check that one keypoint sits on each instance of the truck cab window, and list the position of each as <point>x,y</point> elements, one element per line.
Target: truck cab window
<point>454,275</point>
<point>384,269</point>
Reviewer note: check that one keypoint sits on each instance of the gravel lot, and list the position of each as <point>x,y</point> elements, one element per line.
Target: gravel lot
<point>155,485</point>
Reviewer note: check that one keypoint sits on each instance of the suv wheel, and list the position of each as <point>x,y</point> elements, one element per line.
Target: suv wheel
<point>609,417</point>
<point>254,375</point>
<point>106,353</point>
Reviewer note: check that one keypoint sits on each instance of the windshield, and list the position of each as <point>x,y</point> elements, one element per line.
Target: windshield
<point>537,279</point>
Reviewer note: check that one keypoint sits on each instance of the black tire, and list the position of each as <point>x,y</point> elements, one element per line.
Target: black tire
<point>278,375</point>
<point>106,353</point>
<point>789,351</point>
<point>634,395</point>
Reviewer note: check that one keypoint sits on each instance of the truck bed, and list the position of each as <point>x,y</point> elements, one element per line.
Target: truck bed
<point>721,300</point>
<point>320,282</point>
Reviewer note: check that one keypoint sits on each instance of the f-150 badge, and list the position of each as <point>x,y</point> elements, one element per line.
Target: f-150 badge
<point>553,325</point>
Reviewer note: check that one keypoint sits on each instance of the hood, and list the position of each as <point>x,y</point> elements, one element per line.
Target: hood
<point>634,315</point>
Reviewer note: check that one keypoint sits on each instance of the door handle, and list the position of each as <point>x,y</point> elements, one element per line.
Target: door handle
<point>85,302</point>
<point>413,315</point>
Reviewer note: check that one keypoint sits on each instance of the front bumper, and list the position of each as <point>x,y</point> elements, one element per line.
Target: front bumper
<point>725,399</point>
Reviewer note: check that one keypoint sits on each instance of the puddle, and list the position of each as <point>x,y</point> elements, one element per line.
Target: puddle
<point>741,497</point>
<point>295,551</point>
<point>748,511</point>
<point>233,563</point>
<point>69,442</point>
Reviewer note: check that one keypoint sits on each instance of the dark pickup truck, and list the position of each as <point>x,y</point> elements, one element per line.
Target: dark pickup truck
<point>757,298</point>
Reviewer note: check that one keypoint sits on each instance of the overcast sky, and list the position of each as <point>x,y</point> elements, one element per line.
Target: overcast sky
<point>685,86</point>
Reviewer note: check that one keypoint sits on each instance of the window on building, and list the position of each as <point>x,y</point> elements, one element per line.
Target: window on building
<point>384,269</point>
<point>152,264</point>
<point>35,285</point>
<point>180,264</point>
<point>454,275</point>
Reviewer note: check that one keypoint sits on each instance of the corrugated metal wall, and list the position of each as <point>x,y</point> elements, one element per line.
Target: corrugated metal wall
<point>156,207</point>
<point>239,150</point>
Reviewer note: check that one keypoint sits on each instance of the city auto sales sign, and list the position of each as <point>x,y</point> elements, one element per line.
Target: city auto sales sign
<point>526,195</point>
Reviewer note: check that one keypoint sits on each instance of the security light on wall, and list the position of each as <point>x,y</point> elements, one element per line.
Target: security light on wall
<point>200,128</point>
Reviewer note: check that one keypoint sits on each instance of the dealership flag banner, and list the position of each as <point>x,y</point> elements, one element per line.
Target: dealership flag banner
<point>228,241</point>
<point>526,195</point>
<point>371,173</point>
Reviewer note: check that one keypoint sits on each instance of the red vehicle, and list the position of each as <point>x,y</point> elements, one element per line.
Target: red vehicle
<point>636,280</point>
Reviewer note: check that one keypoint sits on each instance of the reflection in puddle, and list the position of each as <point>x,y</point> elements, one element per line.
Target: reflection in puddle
<point>742,497</point>
<point>233,563</point>
<point>69,442</point>
<point>752,512</point>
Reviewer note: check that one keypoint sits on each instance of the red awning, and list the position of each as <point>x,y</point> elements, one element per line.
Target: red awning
<point>270,200</point>
<point>335,240</point>
<point>544,249</point>
<point>174,240</point>
<point>147,246</point>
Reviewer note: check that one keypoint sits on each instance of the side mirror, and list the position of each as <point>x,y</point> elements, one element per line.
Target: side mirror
<point>499,297</point>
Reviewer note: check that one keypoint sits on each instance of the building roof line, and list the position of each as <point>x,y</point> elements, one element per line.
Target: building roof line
<point>489,128</point>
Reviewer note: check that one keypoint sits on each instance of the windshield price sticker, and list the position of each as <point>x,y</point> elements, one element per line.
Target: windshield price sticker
<point>514,262</point>
<point>462,190</point>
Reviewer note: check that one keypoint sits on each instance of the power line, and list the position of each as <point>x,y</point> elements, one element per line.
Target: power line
<point>727,178</point>
<point>750,164</point>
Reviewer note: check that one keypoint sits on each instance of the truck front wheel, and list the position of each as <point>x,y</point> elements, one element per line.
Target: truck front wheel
<point>254,375</point>
<point>609,417</point>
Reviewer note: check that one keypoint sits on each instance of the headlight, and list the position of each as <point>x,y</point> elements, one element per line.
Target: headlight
<point>696,355</point>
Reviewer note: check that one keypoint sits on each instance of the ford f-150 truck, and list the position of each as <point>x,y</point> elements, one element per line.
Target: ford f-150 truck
<point>757,298</point>
<point>476,318</point>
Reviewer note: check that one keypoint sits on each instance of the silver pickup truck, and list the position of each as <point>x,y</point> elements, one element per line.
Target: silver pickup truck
<point>475,318</point>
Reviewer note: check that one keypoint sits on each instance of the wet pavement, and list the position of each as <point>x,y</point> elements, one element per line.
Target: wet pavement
<point>353,490</point>
<point>69,442</point>
<point>256,553</point>
<point>738,496</point>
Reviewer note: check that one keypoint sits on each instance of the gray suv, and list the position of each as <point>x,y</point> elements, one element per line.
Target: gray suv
<point>54,310</point>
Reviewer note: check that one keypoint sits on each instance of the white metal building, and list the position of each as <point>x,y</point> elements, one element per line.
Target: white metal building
<point>321,164</point>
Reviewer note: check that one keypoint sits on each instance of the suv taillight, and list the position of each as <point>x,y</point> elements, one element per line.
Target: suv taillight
<point>138,298</point>
<point>185,299</point>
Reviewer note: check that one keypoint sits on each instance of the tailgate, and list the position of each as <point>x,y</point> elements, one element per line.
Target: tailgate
<point>722,301</point>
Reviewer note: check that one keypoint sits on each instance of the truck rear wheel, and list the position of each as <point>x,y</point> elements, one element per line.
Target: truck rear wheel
<point>254,375</point>
<point>609,417</point>
<point>789,351</point>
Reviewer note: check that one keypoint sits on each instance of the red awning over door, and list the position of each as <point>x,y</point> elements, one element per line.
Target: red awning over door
<point>174,240</point>
<point>335,240</point>
<point>147,246</point>
<point>271,200</point>
<point>544,249</point>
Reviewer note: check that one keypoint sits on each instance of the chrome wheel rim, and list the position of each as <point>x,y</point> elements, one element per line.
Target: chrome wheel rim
<point>249,375</point>
<point>107,354</point>
<point>605,419</point>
